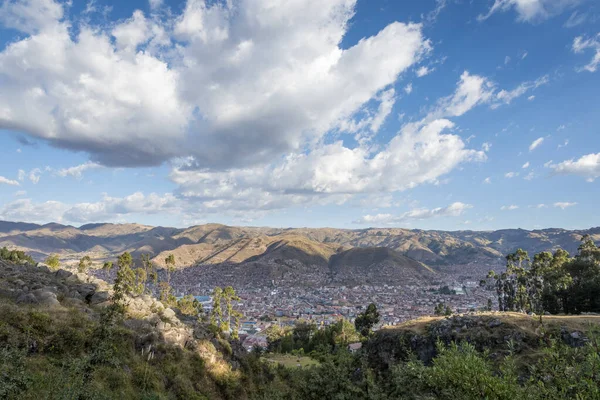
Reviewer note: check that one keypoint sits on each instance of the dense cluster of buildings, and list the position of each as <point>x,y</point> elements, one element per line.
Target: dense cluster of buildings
<point>264,305</point>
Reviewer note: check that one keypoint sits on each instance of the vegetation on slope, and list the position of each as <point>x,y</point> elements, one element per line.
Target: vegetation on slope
<point>551,282</point>
<point>69,336</point>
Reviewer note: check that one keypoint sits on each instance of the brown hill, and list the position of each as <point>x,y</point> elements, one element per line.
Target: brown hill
<point>216,244</point>
<point>296,247</point>
<point>377,265</point>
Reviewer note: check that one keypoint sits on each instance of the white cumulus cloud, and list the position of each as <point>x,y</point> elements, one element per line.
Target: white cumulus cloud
<point>229,83</point>
<point>107,209</point>
<point>78,170</point>
<point>564,204</point>
<point>454,210</point>
<point>422,71</point>
<point>587,166</point>
<point>7,181</point>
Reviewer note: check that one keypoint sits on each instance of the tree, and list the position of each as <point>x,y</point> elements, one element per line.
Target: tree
<point>222,319</point>
<point>447,311</point>
<point>303,333</point>
<point>344,333</point>
<point>365,321</point>
<point>439,309</point>
<point>170,264</point>
<point>229,296</point>
<point>126,280</point>
<point>150,268</point>
<point>551,282</point>
<point>237,317</point>
<point>16,256</point>
<point>512,285</point>
<point>275,334</point>
<point>188,305</point>
<point>140,281</point>
<point>166,294</point>
<point>216,314</point>
<point>107,266</point>
<point>146,271</point>
<point>442,309</point>
<point>84,264</point>
<point>53,261</point>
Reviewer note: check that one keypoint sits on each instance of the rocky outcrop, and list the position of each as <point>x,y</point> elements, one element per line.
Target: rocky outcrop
<point>498,333</point>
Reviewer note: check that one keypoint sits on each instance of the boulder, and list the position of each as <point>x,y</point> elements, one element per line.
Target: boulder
<point>86,291</point>
<point>99,297</point>
<point>169,313</point>
<point>75,295</point>
<point>47,298</point>
<point>27,298</point>
<point>19,283</point>
<point>44,268</point>
<point>63,274</point>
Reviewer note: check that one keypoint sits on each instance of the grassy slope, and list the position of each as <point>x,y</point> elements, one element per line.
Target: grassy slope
<point>68,351</point>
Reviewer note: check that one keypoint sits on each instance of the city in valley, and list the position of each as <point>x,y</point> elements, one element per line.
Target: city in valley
<point>285,303</point>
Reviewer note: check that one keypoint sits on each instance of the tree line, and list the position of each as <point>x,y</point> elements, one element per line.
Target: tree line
<point>550,282</point>
<point>307,337</point>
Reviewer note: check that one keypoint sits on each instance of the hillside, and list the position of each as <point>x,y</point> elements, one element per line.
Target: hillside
<point>496,332</point>
<point>58,341</point>
<point>377,264</point>
<point>54,331</point>
<point>215,243</point>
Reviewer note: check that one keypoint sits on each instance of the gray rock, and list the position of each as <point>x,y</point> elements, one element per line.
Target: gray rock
<point>27,298</point>
<point>161,326</point>
<point>495,323</point>
<point>73,279</point>
<point>153,319</point>
<point>168,313</point>
<point>75,295</point>
<point>47,298</point>
<point>86,291</point>
<point>99,297</point>
<point>62,288</point>
<point>44,268</point>
<point>19,283</point>
<point>63,274</point>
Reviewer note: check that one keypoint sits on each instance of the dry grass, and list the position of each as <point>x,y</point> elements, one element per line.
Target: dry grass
<point>291,361</point>
<point>526,322</point>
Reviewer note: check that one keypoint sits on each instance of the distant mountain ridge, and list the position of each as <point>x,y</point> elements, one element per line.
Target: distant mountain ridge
<point>216,244</point>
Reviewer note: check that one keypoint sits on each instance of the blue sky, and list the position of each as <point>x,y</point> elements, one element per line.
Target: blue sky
<point>432,114</point>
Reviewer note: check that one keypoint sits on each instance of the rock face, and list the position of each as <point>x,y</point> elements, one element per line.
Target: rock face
<point>27,284</point>
<point>99,297</point>
<point>499,333</point>
<point>63,274</point>
<point>46,298</point>
<point>39,287</point>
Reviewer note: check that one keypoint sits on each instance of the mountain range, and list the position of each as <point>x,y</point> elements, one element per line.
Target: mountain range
<point>333,250</point>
